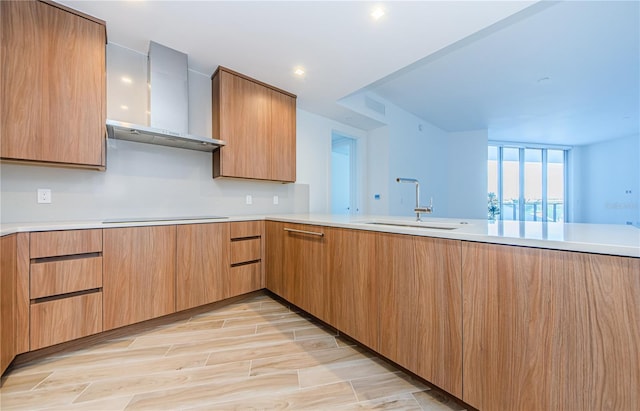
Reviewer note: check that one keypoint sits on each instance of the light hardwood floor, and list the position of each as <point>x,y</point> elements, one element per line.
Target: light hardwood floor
<point>253,354</point>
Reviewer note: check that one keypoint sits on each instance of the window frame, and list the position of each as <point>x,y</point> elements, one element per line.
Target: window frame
<point>501,145</point>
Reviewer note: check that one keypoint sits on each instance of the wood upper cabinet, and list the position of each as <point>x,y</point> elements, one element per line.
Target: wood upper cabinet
<point>420,307</point>
<point>352,284</point>
<point>53,85</point>
<point>282,148</point>
<point>139,274</point>
<point>550,330</point>
<point>8,302</point>
<point>257,122</point>
<point>203,264</point>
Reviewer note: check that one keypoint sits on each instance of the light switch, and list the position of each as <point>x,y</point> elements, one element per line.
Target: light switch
<point>249,200</point>
<point>276,200</point>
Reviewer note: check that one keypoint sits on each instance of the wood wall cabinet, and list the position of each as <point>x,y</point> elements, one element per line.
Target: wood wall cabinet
<point>8,289</point>
<point>351,281</point>
<point>258,124</point>
<point>202,265</point>
<point>53,85</point>
<point>139,274</point>
<point>548,329</point>
<point>420,307</point>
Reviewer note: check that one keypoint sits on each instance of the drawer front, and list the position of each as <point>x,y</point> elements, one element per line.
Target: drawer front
<point>243,229</point>
<point>58,243</point>
<point>245,250</point>
<point>245,278</point>
<point>67,276</point>
<point>57,321</point>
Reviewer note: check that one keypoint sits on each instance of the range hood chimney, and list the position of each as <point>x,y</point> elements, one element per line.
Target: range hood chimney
<point>168,104</point>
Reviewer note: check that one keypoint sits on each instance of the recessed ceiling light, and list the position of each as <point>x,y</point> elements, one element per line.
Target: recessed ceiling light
<point>123,107</point>
<point>126,80</point>
<point>377,13</point>
<point>298,71</point>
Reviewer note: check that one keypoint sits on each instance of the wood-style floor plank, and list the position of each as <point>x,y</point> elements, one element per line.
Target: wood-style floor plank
<point>255,353</point>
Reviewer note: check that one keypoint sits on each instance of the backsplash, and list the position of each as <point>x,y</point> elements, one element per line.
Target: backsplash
<point>141,180</point>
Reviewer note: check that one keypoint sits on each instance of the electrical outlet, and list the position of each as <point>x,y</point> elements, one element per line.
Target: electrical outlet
<point>276,200</point>
<point>249,199</point>
<point>44,196</point>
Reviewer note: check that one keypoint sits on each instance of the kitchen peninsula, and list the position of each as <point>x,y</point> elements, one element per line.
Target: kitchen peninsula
<point>460,303</point>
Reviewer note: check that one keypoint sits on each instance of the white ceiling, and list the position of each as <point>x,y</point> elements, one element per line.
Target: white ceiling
<point>341,47</point>
<point>560,73</point>
<point>461,65</point>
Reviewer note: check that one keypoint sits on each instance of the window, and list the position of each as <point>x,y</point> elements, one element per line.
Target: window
<point>526,183</point>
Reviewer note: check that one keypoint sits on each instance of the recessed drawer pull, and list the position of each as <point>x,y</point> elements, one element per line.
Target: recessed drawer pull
<point>293,230</point>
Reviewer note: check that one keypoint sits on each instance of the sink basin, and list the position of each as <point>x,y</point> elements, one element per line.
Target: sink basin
<point>418,224</point>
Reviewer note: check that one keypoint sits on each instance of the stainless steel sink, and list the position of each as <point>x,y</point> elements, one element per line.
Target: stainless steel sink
<point>424,224</point>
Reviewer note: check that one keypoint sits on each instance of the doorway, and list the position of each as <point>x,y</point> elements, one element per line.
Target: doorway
<point>343,174</point>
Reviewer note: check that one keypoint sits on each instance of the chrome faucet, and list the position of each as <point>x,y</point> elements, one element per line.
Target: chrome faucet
<point>428,209</point>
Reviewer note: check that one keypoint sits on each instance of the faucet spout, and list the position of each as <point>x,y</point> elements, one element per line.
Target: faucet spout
<point>418,209</point>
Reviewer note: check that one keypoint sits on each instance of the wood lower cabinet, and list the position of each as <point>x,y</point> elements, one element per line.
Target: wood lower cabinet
<point>64,286</point>
<point>245,257</point>
<point>8,301</point>
<point>65,319</point>
<point>296,264</point>
<point>304,267</point>
<point>53,85</point>
<point>202,264</point>
<point>139,274</point>
<point>420,307</point>
<point>273,257</point>
<point>258,124</point>
<point>399,295</point>
<point>549,330</point>
<point>352,284</point>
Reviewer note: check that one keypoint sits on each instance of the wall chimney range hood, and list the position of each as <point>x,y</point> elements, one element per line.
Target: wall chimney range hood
<point>168,105</point>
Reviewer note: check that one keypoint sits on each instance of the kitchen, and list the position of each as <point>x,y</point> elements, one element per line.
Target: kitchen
<point>154,181</point>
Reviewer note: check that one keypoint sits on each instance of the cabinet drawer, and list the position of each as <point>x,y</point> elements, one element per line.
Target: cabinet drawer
<point>58,243</point>
<point>67,276</point>
<point>245,278</point>
<point>245,229</point>
<point>245,250</point>
<point>57,321</point>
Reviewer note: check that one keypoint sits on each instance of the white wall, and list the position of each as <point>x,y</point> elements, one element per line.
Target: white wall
<point>467,174</point>
<point>149,180</point>
<point>377,172</point>
<point>141,180</point>
<point>313,154</point>
<point>451,167</point>
<point>606,178</point>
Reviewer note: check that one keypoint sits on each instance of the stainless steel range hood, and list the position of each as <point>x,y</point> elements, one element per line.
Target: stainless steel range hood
<point>168,106</point>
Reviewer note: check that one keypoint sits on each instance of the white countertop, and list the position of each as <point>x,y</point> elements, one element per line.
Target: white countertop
<point>622,240</point>
<point>592,238</point>
<point>11,228</point>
